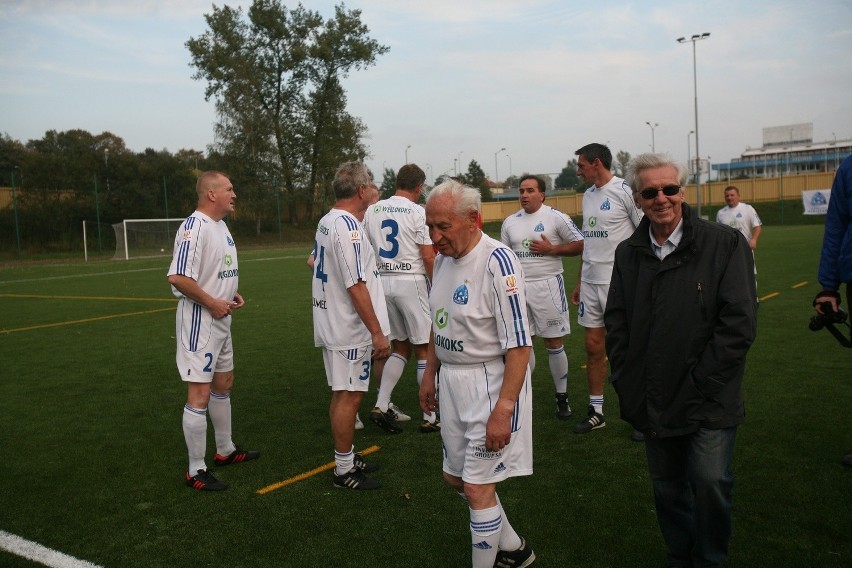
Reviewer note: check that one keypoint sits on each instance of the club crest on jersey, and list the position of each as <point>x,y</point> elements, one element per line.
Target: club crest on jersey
<point>539,228</point>
<point>739,215</point>
<point>228,260</point>
<point>593,221</point>
<point>605,206</point>
<point>187,235</point>
<point>526,243</point>
<point>442,318</point>
<point>355,236</point>
<point>461,295</point>
<point>511,285</point>
<point>230,241</point>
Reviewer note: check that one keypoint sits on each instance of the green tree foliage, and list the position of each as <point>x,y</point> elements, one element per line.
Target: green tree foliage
<point>388,186</point>
<point>622,158</point>
<point>475,177</point>
<point>568,178</point>
<point>275,75</point>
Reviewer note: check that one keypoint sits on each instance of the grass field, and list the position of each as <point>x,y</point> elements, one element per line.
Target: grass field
<point>93,453</point>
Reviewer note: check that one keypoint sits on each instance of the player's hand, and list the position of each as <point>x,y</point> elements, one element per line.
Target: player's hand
<point>238,302</point>
<point>827,296</point>
<point>428,395</point>
<point>753,244</point>
<point>220,308</point>
<point>498,430</point>
<point>381,346</point>
<point>544,246</point>
<point>575,295</point>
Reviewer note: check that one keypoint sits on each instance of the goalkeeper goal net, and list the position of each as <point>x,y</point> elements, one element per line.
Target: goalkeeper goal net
<point>138,238</point>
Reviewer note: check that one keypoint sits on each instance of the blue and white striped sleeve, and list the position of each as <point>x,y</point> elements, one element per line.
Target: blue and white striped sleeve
<point>510,303</point>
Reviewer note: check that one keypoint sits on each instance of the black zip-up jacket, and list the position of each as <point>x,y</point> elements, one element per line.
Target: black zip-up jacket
<point>678,330</point>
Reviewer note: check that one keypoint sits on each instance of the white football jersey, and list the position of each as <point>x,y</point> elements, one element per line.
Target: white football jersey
<point>205,251</point>
<point>521,228</point>
<point>397,227</point>
<point>743,218</point>
<point>478,304</point>
<point>342,258</point>
<point>609,216</point>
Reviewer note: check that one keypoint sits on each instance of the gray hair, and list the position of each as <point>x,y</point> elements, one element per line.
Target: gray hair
<point>647,161</point>
<point>466,198</point>
<point>348,178</point>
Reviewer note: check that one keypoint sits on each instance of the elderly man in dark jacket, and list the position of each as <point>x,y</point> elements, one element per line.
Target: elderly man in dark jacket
<point>680,318</point>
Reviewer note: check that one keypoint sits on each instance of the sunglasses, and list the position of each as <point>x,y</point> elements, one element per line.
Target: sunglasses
<point>651,192</point>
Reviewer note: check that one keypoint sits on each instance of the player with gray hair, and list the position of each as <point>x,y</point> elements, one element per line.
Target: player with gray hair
<point>479,354</point>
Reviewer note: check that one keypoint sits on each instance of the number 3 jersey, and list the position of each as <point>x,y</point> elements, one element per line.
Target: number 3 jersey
<point>478,304</point>
<point>397,228</point>
<point>342,258</point>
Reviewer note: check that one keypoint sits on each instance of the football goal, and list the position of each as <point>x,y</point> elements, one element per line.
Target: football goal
<point>138,238</point>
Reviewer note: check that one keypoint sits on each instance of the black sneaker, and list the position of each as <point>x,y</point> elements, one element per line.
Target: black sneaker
<point>563,411</point>
<point>204,481</point>
<point>427,427</point>
<point>361,465</point>
<point>520,558</point>
<point>592,422</point>
<point>385,421</point>
<point>237,456</point>
<point>355,479</point>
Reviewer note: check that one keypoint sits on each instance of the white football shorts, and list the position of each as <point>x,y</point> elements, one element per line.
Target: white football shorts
<point>590,312</point>
<point>407,297</point>
<point>203,343</point>
<point>547,306</point>
<point>348,369</point>
<point>467,393</point>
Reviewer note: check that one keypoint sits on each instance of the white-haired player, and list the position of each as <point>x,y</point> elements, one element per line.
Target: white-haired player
<point>204,274</point>
<point>540,236</point>
<point>480,356</point>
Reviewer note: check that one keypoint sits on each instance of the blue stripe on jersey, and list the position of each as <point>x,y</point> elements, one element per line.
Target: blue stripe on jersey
<point>516,416</point>
<point>195,328</point>
<point>561,282</point>
<point>183,255</point>
<point>504,259</point>
<point>518,319</point>
<point>352,225</point>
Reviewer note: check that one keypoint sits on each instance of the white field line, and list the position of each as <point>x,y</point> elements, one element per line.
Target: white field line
<point>164,269</point>
<point>38,553</point>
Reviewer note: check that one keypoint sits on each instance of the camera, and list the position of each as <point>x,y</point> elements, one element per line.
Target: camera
<point>828,317</point>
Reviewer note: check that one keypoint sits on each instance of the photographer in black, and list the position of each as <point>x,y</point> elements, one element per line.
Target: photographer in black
<point>835,264</point>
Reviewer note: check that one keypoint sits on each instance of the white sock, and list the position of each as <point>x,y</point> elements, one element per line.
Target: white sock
<point>597,403</point>
<point>195,434</point>
<point>421,368</point>
<point>509,539</point>
<point>343,461</point>
<point>532,361</point>
<point>558,368</point>
<point>394,367</point>
<point>219,409</point>
<point>485,528</point>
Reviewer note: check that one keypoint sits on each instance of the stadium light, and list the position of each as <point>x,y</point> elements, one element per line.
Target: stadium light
<point>406,153</point>
<point>653,126</point>
<point>496,175</point>
<point>693,39</point>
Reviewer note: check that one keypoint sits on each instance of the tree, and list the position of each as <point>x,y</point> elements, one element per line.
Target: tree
<point>276,79</point>
<point>475,177</point>
<point>568,178</point>
<point>621,161</point>
<point>388,186</point>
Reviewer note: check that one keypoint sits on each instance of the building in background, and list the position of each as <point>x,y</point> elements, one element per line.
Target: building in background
<point>786,150</point>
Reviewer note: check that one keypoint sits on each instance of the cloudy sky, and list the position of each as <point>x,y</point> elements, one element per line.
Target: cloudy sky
<point>463,78</point>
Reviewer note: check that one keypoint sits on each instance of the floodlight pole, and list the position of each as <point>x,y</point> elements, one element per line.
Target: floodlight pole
<point>653,126</point>
<point>496,175</point>
<point>693,39</point>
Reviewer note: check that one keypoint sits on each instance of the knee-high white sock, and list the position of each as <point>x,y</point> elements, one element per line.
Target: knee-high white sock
<point>509,539</point>
<point>219,409</point>
<point>485,528</point>
<point>195,434</point>
<point>344,461</point>
<point>558,368</point>
<point>532,361</point>
<point>394,367</point>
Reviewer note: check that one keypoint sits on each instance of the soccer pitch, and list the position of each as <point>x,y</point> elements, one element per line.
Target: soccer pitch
<point>94,456</point>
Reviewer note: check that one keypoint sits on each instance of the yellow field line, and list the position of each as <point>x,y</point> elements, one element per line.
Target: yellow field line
<point>87,320</point>
<point>769,296</point>
<point>308,474</point>
<point>45,297</point>
<point>800,284</point>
